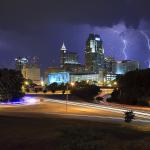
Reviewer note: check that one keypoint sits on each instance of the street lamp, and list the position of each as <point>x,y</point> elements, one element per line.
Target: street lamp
<point>67,89</point>
<point>42,83</point>
<point>115,83</point>
<point>26,83</point>
<point>72,84</point>
<point>67,97</point>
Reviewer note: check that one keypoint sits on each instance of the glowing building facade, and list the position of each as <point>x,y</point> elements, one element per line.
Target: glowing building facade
<point>65,77</point>
<point>94,54</point>
<point>96,78</point>
<point>59,78</point>
<point>33,73</point>
<point>31,70</point>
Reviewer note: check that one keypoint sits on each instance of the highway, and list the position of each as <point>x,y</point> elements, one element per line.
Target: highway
<point>118,110</point>
<point>75,110</point>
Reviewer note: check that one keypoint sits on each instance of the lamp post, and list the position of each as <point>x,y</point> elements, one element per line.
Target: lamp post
<point>67,89</point>
<point>67,97</point>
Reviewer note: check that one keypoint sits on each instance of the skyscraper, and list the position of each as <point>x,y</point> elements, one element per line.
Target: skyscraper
<point>32,72</point>
<point>29,67</point>
<point>69,60</point>
<point>20,62</point>
<point>63,52</point>
<point>94,54</point>
<point>35,61</point>
<point>109,61</point>
<point>122,67</point>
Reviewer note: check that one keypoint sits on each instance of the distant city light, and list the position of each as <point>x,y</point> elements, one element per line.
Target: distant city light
<point>29,100</point>
<point>26,83</point>
<point>26,100</point>
<point>115,83</point>
<point>42,83</point>
<point>72,84</point>
<point>97,39</point>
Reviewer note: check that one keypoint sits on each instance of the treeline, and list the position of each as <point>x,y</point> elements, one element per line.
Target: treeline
<point>133,88</point>
<point>85,91</point>
<point>80,89</point>
<point>10,84</point>
<point>56,87</point>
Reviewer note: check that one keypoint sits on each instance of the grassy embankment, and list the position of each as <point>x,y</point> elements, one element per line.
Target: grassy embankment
<point>61,134</point>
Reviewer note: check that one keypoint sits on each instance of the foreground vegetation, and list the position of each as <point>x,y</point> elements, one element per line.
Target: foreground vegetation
<point>62,134</point>
<point>10,85</point>
<point>85,90</point>
<point>133,88</point>
<point>82,90</point>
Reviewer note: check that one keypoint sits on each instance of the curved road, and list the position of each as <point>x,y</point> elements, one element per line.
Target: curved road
<point>72,110</point>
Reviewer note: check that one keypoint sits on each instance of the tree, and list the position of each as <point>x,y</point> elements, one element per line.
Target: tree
<point>63,92</point>
<point>88,92</point>
<point>53,87</point>
<point>133,88</point>
<point>11,82</point>
<point>44,91</point>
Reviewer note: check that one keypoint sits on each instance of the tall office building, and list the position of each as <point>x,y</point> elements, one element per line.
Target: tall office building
<point>20,62</point>
<point>109,61</point>
<point>67,57</point>
<point>94,54</point>
<point>35,61</point>
<point>122,67</point>
<point>29,68</point>
<point>32,72</point>
<point>69,60</point>
<point>63,52</point>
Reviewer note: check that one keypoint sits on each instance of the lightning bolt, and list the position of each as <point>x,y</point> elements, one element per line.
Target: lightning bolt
<point>124,49</point>
<point>148,43</point>
<point>124,41</point>
<point>148,63</point>
<point>147,39</point>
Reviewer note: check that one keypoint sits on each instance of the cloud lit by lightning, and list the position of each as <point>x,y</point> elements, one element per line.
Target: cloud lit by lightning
<point>148,43</point>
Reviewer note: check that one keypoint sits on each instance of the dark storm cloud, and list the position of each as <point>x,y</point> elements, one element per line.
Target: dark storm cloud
<point>25,13</point>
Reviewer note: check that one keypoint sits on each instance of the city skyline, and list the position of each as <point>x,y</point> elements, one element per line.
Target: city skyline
<point>26,31</point>
<point>74,74</point>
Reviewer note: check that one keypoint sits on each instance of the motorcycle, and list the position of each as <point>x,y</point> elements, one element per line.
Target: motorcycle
<point>129,116</point>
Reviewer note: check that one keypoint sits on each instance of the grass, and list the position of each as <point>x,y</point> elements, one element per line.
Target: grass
<point>39,133</point>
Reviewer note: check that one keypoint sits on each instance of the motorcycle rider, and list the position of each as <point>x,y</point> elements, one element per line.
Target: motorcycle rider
<point>129,115</point>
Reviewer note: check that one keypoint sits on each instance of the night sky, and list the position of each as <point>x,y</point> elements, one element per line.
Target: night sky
<point>38,28</point>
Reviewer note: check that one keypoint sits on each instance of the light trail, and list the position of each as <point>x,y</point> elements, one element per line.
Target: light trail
<point>107,108</point>
<point>95,117</point>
